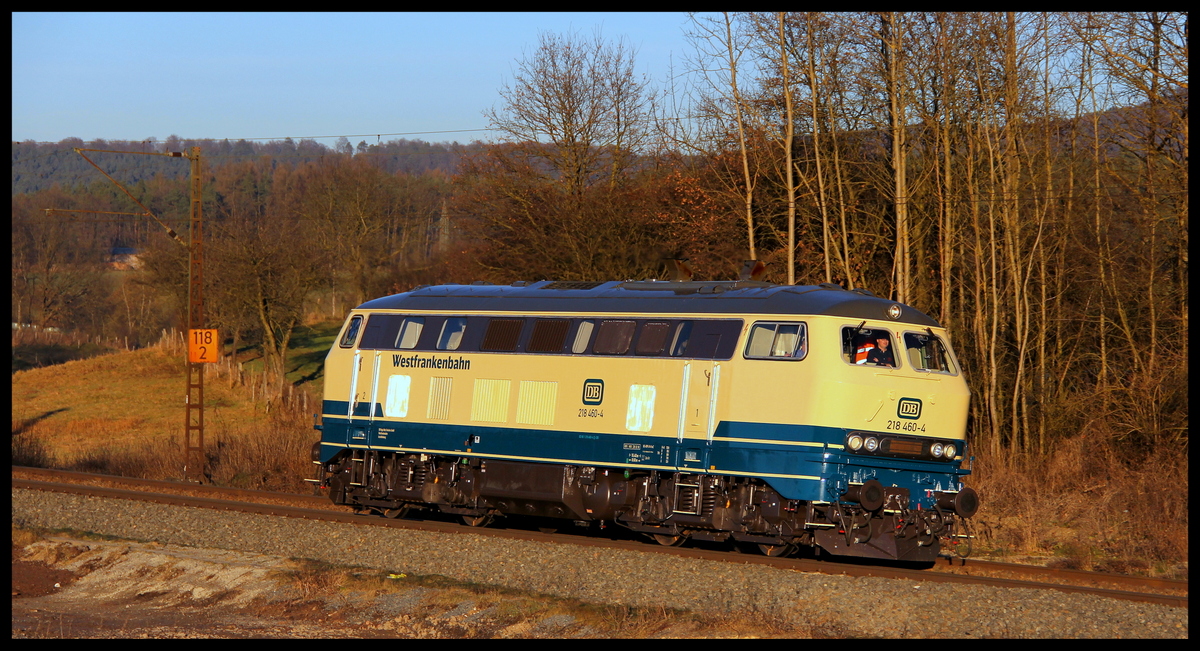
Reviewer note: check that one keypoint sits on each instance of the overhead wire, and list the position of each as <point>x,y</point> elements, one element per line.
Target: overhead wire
<point>278,139</point>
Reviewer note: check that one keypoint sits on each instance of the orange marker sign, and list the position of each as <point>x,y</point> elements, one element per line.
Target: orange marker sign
<point>203,346</point>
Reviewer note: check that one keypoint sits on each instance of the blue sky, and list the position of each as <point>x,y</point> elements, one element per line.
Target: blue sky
<point>130,76</point>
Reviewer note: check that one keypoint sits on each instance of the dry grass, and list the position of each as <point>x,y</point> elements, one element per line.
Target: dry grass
<point>662,622</point>
<point>1088,506</point>
<point>514,613</point>
<point>28,449</point>
<point>22,536</point>
<point>313,579</point>
<point>271,453</point>
<point>123,414</point>
<point>110,401</point>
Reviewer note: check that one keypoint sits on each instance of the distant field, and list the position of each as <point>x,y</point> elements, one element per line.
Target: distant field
<point>126,399</point>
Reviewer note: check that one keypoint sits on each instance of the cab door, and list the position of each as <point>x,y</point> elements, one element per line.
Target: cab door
<point>701,385</point>
<point>373,408</point>
<point>362,405</point>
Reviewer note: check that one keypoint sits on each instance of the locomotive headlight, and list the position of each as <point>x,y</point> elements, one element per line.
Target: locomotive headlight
<point>855,442</point>
<point>936,450</point>
<point>872,444</point>
<point>950,451</point>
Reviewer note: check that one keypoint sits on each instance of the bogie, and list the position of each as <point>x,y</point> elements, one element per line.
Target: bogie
<point>669,508</point>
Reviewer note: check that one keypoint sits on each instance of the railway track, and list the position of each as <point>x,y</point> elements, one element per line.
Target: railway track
<point>1132,588</point>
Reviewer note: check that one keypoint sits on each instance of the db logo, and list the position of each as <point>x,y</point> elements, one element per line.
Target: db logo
<point>593,392</point>
<point>909,408</point>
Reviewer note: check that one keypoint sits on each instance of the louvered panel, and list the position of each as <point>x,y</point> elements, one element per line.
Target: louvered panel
<point>439,398</point>
<point>489,402</point>
<point>535,403</point>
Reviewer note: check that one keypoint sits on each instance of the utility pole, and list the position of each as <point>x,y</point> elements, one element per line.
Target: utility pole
<point>202,344</point>
<point>193,450</point>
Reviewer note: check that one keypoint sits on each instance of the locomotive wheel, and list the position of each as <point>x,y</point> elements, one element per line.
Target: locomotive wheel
<point>668,541</point>
<point>775,551</point>
<point>396,514</point>
<point>477,520</point>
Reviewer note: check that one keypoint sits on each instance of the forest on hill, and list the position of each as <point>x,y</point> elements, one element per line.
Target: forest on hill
<point>1022,178</point>
<point>38,166</point>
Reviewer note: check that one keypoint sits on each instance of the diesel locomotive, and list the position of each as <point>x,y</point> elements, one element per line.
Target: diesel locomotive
<point>776,416</point>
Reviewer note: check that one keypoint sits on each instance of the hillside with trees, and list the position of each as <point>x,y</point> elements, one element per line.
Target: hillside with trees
<point>1022,178</point>
<point>39,166</point>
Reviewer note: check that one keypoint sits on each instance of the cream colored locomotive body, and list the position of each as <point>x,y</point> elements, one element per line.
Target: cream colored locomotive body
<point>632,378</point>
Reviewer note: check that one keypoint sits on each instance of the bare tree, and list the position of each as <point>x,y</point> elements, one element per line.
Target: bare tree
<point>266,271</point>
<point>773,48</point>
<point>354,206</point>
<point>721,43</point>
<point>578,105</point>
<point>892,34</point>
<point>814,30</point>
<point>563,196</point>
<point>56,268</point>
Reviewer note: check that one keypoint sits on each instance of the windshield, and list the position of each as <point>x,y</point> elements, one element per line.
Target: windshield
<point>927,352</point>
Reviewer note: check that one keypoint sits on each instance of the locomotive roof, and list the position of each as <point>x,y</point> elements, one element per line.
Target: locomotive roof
<point>651,296</point>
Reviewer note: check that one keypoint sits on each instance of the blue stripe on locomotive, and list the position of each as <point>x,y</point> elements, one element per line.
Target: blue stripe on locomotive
<point>818,472</point>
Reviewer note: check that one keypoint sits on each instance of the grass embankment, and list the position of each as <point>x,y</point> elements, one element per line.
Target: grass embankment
<point>123,413</point>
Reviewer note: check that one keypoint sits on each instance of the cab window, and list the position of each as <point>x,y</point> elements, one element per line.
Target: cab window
<point>927,352</point>
<point>869,347</point>
<point>777,341</point>
<point>351,331</point>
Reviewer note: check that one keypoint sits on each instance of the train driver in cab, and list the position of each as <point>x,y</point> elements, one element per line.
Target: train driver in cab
<point>880,354</point>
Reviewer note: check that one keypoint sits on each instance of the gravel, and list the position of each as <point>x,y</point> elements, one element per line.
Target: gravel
<point>844,606</point>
